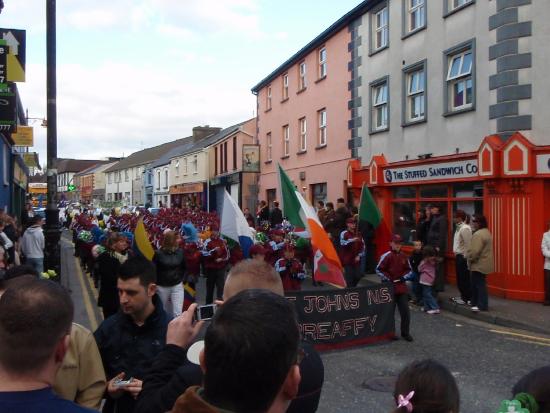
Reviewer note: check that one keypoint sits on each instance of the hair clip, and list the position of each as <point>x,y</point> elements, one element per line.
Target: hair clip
<point>405,401</point>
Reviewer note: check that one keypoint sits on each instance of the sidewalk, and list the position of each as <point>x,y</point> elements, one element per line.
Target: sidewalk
<point>521,315</point>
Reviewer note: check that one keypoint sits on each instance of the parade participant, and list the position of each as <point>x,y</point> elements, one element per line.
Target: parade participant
<point>426,386</point>
<point>275,215</point>
<point>257,252</point>
<point>108,264</point>
<point>266,377</point>
<point>33,346</point>
<point>545,246</point>
<point>352,249</point>
<point>414,260</point>
<point>461,243</point>
<point>426,269</point>
<point>192,256</point>
<point>329,224</point>
<point>170,265</point>
<point>481,262</point>
<point>290,269</point>
<point>394,267</point>
<point>274,247</point>
<point>129,340</point>
<point>216,256</point>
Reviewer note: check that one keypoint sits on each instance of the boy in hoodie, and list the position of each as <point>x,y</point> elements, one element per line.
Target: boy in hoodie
<point>32,244</point>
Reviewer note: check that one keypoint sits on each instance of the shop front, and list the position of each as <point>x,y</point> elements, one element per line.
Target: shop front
<point>188,195</point>
<point>507,181</point>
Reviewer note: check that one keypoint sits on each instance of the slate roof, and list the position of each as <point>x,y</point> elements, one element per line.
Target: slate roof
<point>96,168</point>
<point>74,165</point>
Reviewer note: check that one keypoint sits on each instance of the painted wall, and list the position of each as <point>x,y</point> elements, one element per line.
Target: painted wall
<point>189,176</point>
<point>324,164</point>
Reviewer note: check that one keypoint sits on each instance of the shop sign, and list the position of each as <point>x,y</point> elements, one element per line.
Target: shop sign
<point>251,158</point>
<point>19,176</point>
<point>186,188</point>
<point>23,136</point>
<point>543,164</point>
<point>226,180</point>
<point>16,40</point>
<point>432,172</point>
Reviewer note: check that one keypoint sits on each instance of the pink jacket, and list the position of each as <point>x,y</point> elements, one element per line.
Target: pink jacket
<point>426,268</point>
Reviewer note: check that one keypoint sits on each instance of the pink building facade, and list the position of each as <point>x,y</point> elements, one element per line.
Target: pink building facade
<point>304,119</point>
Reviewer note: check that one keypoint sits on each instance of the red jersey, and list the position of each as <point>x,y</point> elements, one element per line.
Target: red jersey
<point>212,250</point>
<point>352,247</point>
<point>192,256</point>
<point>273,251</point>
<point>291,272</point>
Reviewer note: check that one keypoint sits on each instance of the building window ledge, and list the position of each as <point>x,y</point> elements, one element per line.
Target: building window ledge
<point>301,152</point>
<point>320,147</point>
<point>413,32</point>
<point>285,100</point>
<point>414,122</point>
<point>267,110</point>
<point>459,111</point>
<point>374,132</point>
<point>457,9</point>
<point>301,90</point>
<point>373,52</point>
<point>321,79</point>
<point>285,157</point>
<point>268,162</point>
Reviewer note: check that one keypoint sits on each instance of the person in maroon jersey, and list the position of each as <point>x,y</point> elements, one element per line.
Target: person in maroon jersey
<point>352,249</point>
<point>290,269</point>
<point>274,248</point>
<point>216,257</point>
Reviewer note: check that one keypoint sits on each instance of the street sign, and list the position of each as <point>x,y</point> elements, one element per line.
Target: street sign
<point>4,50</point>
<point>8,116</point>
<point>16,40</point>
<point>24,136</point>
<point>71,188</point>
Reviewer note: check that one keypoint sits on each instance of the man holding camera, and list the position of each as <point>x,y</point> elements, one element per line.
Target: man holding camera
<point>129,340</point>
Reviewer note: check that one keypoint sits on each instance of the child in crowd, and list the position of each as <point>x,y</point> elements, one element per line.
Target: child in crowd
<point>257,252</point>
<point>290,269</point>
<point>415,259</point>
<point>426,386</point>
<point>427,278</point>
<point>533,390</point>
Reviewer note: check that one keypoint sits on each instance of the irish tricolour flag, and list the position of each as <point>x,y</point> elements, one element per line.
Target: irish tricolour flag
<point>234,224</point>
<point>326,264</point>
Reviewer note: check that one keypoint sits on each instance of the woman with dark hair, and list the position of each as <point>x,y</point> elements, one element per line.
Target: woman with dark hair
<point>480,262</point>
<point>426,386</point>
<point>545,247</point>
<point>533,390</point>
<point>108,264</point>
<point>170,265</point>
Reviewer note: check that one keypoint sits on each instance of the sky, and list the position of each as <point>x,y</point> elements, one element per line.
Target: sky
<point>132,74</point>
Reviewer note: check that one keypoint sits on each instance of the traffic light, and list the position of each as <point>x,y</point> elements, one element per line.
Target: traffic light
<point>71,188</point>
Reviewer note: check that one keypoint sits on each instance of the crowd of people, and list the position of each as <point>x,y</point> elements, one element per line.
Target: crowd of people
<point>151,353</point>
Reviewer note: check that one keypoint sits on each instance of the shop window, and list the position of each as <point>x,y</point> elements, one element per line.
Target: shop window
<point>319,193</point>
<point>404,192</point>
<point>404,220</point>
<point>433,191</point>
<point>468,190</point>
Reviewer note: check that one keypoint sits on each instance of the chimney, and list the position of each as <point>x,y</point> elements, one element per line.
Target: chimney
<point>201,132</point>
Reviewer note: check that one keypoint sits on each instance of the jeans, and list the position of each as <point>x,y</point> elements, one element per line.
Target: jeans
<point>214,279</point>
<point>463,278</point>
<point>401,301</point>
<point>430,303</point>
<point>480,297</point>
<point>417,288</point>
<point>36,263</point>
<point>352,274</point>
<point>547,286</point>
<point>172,299</point>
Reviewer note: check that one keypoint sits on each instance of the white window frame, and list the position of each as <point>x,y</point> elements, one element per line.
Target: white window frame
<point>185,166</point>
<point>380,106</point>
<point>418,93</point>
<point>322,62</point>
<point>126,177</point>
<point>269,146</point>
<point>456,4</point>
<point>195,164</point>
<point>165,178</point>
<point>462,77</point>
<point>416,9</point>
<point>303,134</point>
<point>302,76</point>
<point>268,98</point>
<point>177,168</point>
<point>286,140</point>
<point>322,115</point>
<point>110,177</point>
<point>285,86</point>
<point>383,29</point>
<point>158,179</point>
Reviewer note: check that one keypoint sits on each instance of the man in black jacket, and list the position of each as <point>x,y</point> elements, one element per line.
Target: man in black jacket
<point>437,238</point>
<point>129,340</point>
<point>172,373</point>
<point>276,215</point>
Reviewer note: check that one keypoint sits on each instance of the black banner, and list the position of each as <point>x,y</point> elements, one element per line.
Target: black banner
<point>332,319</point>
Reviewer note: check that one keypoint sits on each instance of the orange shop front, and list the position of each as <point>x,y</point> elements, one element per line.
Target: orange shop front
<point>507,181</point>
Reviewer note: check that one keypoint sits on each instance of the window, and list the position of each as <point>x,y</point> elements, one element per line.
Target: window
<point>319,193</point>
<point>416,15</point>
<point>268,98</point>
<point>302,76</point>
<point>380,29</point>
<point>177,168</point>
<point>285,86</point>
<point>221,159</point>
<point>225,156</point>
<point>322,114</point>
<point>303,135</point>
<point>185,166</point>
<point>165,178</point>
<point>215,160</point>
<point>268,146</point>
<point>110,177</point>
<point>109,197</point>
<point>322,62</point>
<point>415,93</point>
<point>379,105</point>
<point>195,164</point>
<point>158,179</point>
<point>453,5</point>
<point>234,153</point>
<point>126,175</point>
<point>286,140</point>
<point>460,78</point>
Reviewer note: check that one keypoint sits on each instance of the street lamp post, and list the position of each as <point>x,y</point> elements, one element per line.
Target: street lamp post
<point>52,252</point>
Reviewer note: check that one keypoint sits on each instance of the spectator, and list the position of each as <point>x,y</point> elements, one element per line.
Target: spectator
<point>461,243</point>
<point>32,244</point>
<point>129,340</point>
<point>545,246</point>
<point>426,386</point>
<point>341,214</point>
<point>426,269</point>
<point>423,224</point>
<point>414,260</point>
<point>437,238</point>
<point>481,262</point>
<point>249,218</point>
<point>321,212</point>
<point>533,390</point>
<point>262,213</point>
<point>275,215</point>
<point>265,377</point>
<point>26,215</point>
<point>33,346</point>
<point>170,264</point>
<point>216,257</point>
<point>330,223</point>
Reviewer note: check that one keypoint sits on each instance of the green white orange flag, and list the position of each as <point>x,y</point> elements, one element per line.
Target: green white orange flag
<point>326,263</point>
